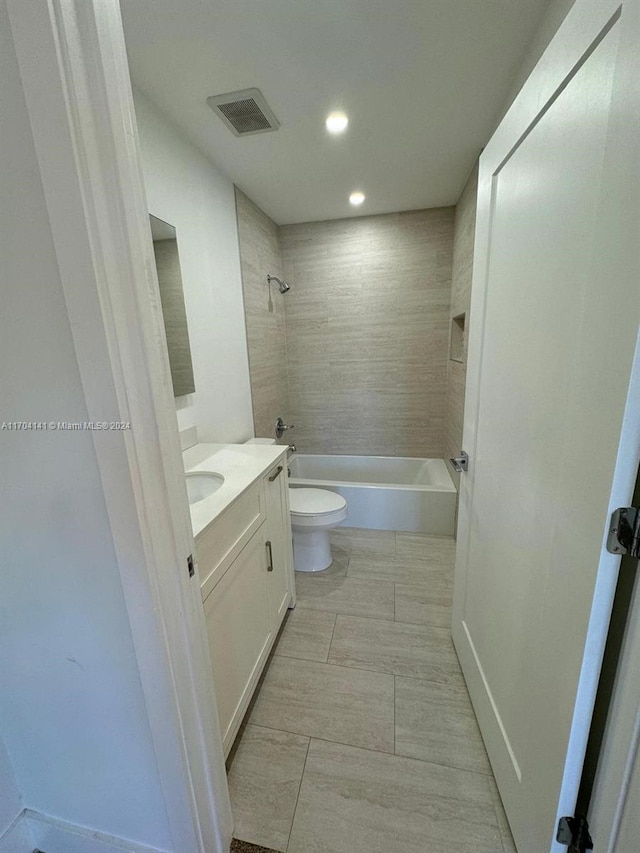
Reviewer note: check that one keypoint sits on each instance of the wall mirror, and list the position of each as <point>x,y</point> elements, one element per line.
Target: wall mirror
<point>165,247</point>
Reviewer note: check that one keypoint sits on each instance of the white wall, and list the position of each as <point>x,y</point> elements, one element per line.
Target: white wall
<point>72,712</point>
<point>185,189</point>
<point>554,14</point>
<point>10,800</point>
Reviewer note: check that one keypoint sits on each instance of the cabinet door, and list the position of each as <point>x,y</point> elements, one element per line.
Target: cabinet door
<point>280,579</point>
<point>240,633</point>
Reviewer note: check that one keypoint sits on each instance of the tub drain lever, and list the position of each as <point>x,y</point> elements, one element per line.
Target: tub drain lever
<point>460,463</point>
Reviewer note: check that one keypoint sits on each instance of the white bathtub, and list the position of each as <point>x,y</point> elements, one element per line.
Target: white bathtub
<point>384,492</point>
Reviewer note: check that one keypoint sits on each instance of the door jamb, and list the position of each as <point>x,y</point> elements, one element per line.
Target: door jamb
<point>75,77</point>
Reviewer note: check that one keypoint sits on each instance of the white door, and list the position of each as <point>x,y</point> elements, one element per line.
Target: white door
<point>553,408</point>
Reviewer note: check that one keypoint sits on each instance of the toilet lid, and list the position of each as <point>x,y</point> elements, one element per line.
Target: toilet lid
<point>314,501</point>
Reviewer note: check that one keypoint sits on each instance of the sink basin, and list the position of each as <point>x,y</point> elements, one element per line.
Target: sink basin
<point>201,484</point>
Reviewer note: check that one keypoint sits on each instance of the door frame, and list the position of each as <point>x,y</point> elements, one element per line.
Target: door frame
<point>618,757</point>
<point>583,24</point>
<point>76,83</point>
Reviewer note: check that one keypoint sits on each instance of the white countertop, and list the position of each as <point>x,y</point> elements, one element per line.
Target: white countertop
<point>239,464</point>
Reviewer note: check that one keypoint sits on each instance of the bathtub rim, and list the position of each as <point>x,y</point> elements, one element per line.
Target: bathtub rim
<point>309,482</point>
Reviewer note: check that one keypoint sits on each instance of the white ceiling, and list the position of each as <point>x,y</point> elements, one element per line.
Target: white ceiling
<point>422,82</point>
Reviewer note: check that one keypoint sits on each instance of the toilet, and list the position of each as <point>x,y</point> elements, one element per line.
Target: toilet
<point>313,513</point>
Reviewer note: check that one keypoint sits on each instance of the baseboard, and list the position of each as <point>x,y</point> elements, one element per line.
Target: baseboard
<point>32,830</point>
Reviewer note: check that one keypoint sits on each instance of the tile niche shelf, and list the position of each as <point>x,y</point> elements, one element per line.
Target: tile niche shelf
<point>456,340</point>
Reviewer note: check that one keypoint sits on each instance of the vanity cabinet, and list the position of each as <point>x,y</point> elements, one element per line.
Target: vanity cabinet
<point>279,538</point>
<point>245,563</point>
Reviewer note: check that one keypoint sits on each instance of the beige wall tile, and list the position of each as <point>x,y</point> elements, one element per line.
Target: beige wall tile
<point>464,234</point>
<point>356,354</point>
<point>369,304</point>
<point>265,321</point>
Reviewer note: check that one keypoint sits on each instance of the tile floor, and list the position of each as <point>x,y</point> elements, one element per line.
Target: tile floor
<point>361,737</point>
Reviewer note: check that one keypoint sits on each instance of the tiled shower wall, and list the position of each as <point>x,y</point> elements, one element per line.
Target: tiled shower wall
<point>367,324</point>
<point>264,315</point>
<point>464,234</point>
<point>356,354</point>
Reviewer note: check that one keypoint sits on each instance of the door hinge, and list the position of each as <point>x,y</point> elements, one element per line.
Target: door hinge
<point>191,565</point>
<point>574,832</point>
<point>624,532</point>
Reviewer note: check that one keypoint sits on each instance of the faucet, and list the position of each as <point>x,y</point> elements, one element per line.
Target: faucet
<point>281,427</point>
<point>292,448</point>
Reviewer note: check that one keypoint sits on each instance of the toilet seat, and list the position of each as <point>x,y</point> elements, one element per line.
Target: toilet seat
<point>316,507</point>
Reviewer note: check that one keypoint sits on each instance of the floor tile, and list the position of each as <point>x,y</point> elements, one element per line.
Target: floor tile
<point>364,541</point>
<point>324,701</point>
<point>307,634</point>
<point>424,604</point>
<point>338,567</point>
<point>357,801</point>
<point>435,722</point>
<point>345,595</point>
<point>433,550</point>
<point>264,780</point>
<point>418,651</point>
<point>376,567</point>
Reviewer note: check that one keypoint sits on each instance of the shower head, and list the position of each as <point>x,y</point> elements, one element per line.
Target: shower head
<point>282,285</point>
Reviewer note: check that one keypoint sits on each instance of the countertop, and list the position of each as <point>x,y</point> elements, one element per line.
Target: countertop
<point>239,464</point>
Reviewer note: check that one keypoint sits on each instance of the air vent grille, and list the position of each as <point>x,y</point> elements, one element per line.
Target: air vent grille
<point>245,112</point>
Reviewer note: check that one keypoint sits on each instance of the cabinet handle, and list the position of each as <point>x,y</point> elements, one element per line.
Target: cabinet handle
<point>277,474</point>
<point>269,556</point>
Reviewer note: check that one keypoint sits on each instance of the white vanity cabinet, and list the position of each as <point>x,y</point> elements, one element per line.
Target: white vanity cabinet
<point>245,564</point>
<point>279,548</point>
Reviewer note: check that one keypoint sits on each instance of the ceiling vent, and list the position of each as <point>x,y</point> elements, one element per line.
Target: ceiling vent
<point>245,112</point>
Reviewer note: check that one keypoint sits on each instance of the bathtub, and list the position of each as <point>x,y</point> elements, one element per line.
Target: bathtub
<point>384,492</point>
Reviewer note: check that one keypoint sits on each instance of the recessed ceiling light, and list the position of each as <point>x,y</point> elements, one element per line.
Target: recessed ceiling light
<point>337,122</point>
<point>356,198</point>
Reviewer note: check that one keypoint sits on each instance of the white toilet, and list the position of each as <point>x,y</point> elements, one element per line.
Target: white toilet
<point>313,513</point>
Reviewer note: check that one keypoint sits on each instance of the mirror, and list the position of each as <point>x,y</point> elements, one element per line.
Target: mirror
<point>165,247</point>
